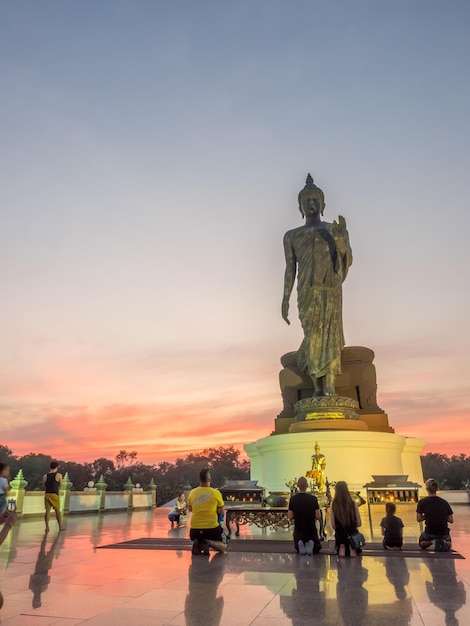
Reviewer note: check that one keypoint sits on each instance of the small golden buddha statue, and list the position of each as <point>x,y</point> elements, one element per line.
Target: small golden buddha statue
<point>318,469</point>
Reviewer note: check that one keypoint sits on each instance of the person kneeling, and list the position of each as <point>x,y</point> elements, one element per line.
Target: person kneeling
<point>436,513</point>
<point>304,510</point>
<point>206,504</point>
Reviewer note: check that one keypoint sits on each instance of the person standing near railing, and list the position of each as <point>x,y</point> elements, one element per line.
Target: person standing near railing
<point>52,482</point>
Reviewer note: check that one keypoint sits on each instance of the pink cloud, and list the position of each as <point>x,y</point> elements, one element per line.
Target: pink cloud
<point>157,432</point>
<point>190,400</point>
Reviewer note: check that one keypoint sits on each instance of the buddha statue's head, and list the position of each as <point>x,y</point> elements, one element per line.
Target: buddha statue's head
<point>317,448</point>
<point>311,199</point>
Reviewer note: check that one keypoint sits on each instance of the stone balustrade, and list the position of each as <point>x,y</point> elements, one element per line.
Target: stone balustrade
<point>93,499</point>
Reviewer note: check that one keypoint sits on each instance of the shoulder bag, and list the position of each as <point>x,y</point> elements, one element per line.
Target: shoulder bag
<point>356,540</point>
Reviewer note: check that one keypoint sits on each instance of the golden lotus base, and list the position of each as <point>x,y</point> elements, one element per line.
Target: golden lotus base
<point>327,409</point>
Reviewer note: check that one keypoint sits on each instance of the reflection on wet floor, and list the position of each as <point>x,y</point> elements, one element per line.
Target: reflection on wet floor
<point>39,581</point>
<point>202,603</point>
<point>63,579</point>
<point>352,597</point>
<point>308,596</point>
<point>444,590</point>
<point>396,570</point>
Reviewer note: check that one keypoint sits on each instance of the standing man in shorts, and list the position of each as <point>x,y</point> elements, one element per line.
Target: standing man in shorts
<point>205,504</point>
<point>52,482</point>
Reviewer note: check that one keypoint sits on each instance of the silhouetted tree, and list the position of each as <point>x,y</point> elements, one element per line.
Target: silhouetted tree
<point>6,454</point>
<point>34,467</point>
<point>79,473</point>
<point>126,459</point>
<point>170,478</point>
<point>103,467</point>
<point>450,472</point>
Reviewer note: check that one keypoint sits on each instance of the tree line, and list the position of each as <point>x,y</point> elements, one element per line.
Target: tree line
<point>451,472</point>
<point>170,478</point>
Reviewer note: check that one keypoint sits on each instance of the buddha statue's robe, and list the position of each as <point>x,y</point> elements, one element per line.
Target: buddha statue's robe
<point>322,255</point>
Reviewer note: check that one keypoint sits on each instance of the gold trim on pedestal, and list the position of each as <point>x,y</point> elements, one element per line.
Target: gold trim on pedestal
<point>327,413</point>
<point>326,407</point>
<point>328,424</point>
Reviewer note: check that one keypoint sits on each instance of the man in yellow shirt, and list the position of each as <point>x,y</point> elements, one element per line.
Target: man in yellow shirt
<point>205,504</point>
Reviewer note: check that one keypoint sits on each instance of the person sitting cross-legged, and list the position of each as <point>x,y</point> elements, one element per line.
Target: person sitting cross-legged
<point>392,528</point>
<point>304,510</point>
<point>436,513</point>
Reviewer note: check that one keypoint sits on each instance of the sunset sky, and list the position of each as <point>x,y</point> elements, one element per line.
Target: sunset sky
<point>151,156</point>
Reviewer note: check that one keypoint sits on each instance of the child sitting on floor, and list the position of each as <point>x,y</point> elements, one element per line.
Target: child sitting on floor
<point>392,528</point>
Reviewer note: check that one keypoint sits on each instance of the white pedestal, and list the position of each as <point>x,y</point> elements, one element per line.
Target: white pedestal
<point>353,456</point>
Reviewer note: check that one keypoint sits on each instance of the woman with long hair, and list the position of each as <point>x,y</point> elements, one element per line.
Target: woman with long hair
<point>345,519</point>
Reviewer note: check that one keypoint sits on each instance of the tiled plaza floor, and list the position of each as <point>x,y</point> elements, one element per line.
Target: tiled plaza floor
<point>66,580</point>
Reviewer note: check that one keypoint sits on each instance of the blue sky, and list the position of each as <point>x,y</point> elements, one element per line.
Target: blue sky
<point>151,157</point>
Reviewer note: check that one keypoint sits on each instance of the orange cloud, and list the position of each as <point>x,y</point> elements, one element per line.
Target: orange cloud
<point>189,400</point>
<point>161,432</point>
<point>157,432</point>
